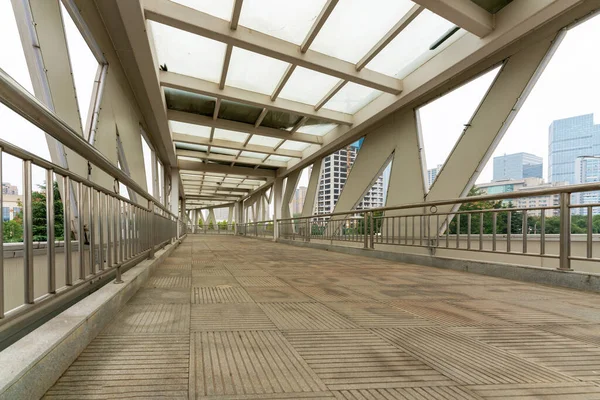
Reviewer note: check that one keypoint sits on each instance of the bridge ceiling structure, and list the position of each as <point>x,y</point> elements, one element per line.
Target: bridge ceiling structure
<point>249,90</point>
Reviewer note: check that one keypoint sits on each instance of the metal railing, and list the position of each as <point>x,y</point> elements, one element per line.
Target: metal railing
<point>485,224</point>
<point>219,229</point>
<point>103,232</point>
<point>256,229</point>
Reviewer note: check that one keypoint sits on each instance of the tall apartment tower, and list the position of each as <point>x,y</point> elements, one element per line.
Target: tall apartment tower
<point>569,139</point>
<point>432,174</point>
<point>336,168</point>
<point>518,166</point>
<point>587,170</point>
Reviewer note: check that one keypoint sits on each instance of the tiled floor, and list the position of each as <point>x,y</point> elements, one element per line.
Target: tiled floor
<point>237,318</point>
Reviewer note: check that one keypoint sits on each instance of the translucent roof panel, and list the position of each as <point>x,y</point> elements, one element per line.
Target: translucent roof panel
<point>411,48</point>
<point>221,150</point>
<point>232,136</point>
<point>182,100</point>
<point>239,112</point>
<point>252,154</point>
<point>293,145</point>
<point>217,8</point>
<point>190,129</point>
<point>263,141</point>
<point>291,24</point>
<point>351,98</point>
<point>255,72</point>
<point>355,26</point>
<point>280,120</point>
<point>186,158</point>
<point>188,54</point>
<point>190,146</point>
<point>307,86</point>
<point>279,158</point>
<point>317,128</point>
<point>12,57</point>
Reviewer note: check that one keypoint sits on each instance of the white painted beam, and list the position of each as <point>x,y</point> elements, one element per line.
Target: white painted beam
<point>318,24</point>
<point>193,21</point>
<point>241,127</point>
<point>229,158</point>
<point>212,89</point>
<point>225,169</point>
<point>463,13</point>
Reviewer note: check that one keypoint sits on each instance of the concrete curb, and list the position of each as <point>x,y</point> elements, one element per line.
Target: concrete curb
<point>568,279</point>
<point>33,364</point>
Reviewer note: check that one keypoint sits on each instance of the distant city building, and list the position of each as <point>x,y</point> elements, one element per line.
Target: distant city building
<point>568,139</point>
<point>336,168</point>
<point>11,205</point>
<point>221,214</point>
<point>523,185</point>
<point>587,170</point>
<point>298,200</point>
<point>432,174</point>
<point>518,166</point>
<point>7,188</point>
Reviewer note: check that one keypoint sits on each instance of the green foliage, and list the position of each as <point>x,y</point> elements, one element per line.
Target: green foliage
<point>222,225</point>
<point>200,223</point>
<point>13,230</point>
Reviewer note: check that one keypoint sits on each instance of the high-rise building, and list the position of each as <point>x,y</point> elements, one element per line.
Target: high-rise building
<point>518,166</point>
<point>336,168</point>
<point>298,200</point>
<point>568,139</point>
<point>7,188</point>
<point>587,170</point>
<point>432,174</point>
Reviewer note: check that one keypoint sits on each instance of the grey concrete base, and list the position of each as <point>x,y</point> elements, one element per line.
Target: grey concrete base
<point>569,279</point>
<point>31,365</point>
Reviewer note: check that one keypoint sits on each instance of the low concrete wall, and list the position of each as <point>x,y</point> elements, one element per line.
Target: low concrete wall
<point>549,276</point>
<point>33,364</point>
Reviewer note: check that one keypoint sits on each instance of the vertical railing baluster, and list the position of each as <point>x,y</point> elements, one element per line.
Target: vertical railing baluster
<point>458,231</point>
<point>109,229</point>
<point>51,251</point>
<point>67,229</point>
<point>494,229</point>
<point>543,233</point>
<point>91,227</point>
<point>413,230</point>
<point>589,232</point>
<point>28,233</point>
<point>508,230</point>
<point>81,241</point>
<point>481,217</point>
<point>469,231</point>
<point>565,232</point>
<point>524,231</point>
<point>100,231</point>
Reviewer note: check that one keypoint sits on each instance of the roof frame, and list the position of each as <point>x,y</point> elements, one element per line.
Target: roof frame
<point>462,13</point>
<point>229,158</point>
<point>199,23</point>
<point>228,144</point>
<point>199,166</point>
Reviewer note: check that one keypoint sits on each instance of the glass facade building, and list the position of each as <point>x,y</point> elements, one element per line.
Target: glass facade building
<point>587,170</point>
<point>518,166</point>
<point>569,139</point>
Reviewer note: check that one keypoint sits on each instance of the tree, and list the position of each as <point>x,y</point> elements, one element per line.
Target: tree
<point>13,231</point>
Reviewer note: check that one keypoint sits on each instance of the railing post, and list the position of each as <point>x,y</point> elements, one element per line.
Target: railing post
<point>565,233</point>
<point>365,231</point>
<point>27,233</point>
<point>372,218</point>
<point>151,230</point>
<point>308,229</point>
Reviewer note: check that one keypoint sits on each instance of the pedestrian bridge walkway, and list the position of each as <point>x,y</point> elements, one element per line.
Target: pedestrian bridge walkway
<point>237,318</point>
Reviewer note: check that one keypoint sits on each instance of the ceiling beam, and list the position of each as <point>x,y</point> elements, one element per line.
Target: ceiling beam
<point>225,169</point>
<point>193,21</point>
<point>207,88</point>
<point>212,198</point>
<point>286,76</point>
<point>227,144</point>
<point>229,158</point>
<point>318,24</point>
<point>391,35</point>
<point>219,175</point>
<point>463,13</point>
<point>241,127</point>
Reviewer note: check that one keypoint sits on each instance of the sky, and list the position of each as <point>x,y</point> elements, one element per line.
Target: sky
<point>569,86</point>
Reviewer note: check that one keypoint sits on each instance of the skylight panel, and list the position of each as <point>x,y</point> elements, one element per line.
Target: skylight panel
<point>355,26</point>
<point>263,141</point>
<point>190,129</point>
<point>293,145</point>
<point>318,129</point>
<point>252,154</point>
<point>290,21</point>
<point>307,86</point>
<point>253,71</point>
<point>411,48</point>
<point>351,98</point>
<point>217,8</point>
<point>232,136</point>
<point>190,146</point>
<point>279,158</point>
<point>188,54</point>
<point>221,150</point>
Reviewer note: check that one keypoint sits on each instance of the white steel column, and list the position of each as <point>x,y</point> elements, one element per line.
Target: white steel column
<point>211,218</point>
<point>489,123</point>
<point>308,207</point>
<point>174,190</point>
<point>277,198</point>
<point>230,217</point>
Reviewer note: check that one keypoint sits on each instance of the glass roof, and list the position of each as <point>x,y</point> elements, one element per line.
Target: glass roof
<point>293,145</point>
<point>351,98</point>
<point>315,127</point>
<point>252,154</point>
<point>239,112</point>
<point>307,86</point>
<point>263,141</point>
<point>190,146</point>
<point>218,8</point>
<point>190,129</point>
<point>188,54</point>
<point>255,72</point>
<point>182,100</point>
<point>232,136</point>
<point>413,45</point>
<point>221,150</point>
<point>292,25</point>
<point>355,26</point>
